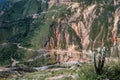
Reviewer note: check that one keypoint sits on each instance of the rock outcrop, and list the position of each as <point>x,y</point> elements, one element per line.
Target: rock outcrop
<point>94,25</point>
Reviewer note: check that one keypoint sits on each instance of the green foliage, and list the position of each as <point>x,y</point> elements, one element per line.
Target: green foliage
<point>30,7</point>
<point>3,35</point>
<point>40,36</point>
<point>10,51</point>
<point>20,25</point>
<point>73,36</point>
<point>44,5</point>
<point>14,12</point>
<point>99,30</point>
<point>22,28</point>
<point>20,31</point>
<point>53,7</point>
<point>86,72</point>
<point>62,12</point>
<point>41,61</point>
<point>111,71</point>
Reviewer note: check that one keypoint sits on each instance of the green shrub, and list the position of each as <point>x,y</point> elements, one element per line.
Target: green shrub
<point>110,71</point>
<point>10,51</point>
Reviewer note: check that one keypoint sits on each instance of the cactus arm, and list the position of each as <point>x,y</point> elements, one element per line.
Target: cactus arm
<point>103,60</point>
<point>95,64</point>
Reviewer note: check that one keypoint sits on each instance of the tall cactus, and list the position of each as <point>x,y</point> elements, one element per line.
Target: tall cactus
<point>99,60</point>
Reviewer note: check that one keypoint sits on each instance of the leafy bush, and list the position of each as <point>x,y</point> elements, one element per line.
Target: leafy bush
<point>10,51</point>
<point>110,71</point>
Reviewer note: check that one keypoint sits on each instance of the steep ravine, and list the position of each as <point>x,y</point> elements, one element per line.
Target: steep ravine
<point>76,26</point>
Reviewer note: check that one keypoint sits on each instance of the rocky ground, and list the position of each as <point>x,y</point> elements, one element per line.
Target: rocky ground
<point>66,71</point>
<point>51,72</point>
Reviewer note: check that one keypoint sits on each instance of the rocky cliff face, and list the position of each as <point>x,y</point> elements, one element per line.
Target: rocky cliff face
<point>93,24</point>
<point>84,19</point>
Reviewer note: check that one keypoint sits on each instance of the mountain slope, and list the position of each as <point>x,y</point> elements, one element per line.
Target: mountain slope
<point>60,24</point>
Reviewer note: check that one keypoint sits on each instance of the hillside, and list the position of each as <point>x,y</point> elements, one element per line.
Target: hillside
<point>43,32</point>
